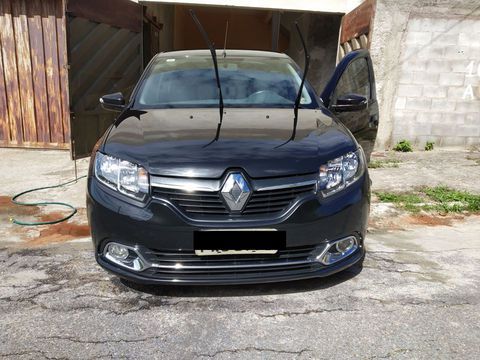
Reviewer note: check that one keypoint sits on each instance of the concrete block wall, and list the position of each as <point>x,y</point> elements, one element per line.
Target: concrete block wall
<point>438,93</point>
<point>427,60</point>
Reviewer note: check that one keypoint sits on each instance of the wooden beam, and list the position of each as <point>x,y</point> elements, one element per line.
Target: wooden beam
<point>25,81</point>
<point>358,21</point>
<point>8,48</point>
<point>37,57</point>
<point>35,145</point>
<point>49,25</point>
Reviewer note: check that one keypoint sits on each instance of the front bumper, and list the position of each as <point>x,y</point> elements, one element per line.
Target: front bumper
<point>165,239</point>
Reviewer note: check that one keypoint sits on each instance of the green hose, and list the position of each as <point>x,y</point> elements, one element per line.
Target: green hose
<point>44,203</point>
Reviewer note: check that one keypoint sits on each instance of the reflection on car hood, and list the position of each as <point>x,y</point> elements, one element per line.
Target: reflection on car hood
<point>180,142</point>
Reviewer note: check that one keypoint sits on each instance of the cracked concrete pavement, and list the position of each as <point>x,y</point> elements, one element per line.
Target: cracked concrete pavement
<point>417,296</point>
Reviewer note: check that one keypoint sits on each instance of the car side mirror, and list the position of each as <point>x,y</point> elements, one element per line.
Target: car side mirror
<point>350,102</point>
<point>113,102</point>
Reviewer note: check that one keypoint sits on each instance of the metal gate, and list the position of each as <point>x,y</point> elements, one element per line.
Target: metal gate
<point>105,56</point>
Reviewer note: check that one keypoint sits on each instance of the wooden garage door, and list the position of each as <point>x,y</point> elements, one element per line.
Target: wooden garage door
<point>33,74</point>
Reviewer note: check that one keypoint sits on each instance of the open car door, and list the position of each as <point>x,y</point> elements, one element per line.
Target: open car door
<point>354,76</point>
<point>350,95</point>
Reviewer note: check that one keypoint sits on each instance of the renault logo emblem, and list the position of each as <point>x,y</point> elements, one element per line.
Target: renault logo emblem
<point>236,191</point>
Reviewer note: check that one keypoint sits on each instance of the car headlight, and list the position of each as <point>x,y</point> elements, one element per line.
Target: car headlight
<point>123,176</point>
<point>341,172</point>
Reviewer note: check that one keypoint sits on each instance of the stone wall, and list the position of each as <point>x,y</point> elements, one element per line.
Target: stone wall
<point>427,60</point>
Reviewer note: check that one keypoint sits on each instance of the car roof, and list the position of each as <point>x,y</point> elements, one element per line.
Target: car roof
<point>238,53</point>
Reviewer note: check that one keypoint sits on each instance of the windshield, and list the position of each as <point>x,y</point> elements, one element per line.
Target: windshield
<point>189,81</point>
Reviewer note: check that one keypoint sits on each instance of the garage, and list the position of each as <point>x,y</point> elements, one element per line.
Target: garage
<point>59,57</point>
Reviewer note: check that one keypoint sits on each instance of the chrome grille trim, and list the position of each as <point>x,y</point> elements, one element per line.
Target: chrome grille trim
<point>198,198</point>
<point>286,186</point>
<point>185,183</point>
<point>193,184</point>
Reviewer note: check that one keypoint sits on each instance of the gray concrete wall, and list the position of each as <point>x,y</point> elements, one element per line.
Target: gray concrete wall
<point>427,57</point>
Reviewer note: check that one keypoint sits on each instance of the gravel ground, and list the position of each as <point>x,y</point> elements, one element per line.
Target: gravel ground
<point>417,295</point>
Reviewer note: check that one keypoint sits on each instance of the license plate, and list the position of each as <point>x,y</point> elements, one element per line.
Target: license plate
<point>238,242</point>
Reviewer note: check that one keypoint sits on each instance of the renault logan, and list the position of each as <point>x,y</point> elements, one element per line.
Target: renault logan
<point>261,189</point>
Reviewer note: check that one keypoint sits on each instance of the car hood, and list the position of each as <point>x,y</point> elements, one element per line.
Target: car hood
<point>181,142</point>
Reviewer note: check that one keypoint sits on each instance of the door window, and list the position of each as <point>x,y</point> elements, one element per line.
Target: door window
<point>354,80</point>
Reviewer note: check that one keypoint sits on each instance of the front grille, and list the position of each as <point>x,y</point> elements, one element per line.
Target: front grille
<point>271,201</point>
<point>198,202</point>
<point>210,203</point>
<point>185,265</point>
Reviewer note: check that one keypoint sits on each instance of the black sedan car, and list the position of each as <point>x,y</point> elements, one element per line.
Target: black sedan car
<point>263,190</point>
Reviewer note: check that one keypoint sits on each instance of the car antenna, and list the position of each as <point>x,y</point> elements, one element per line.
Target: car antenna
<point>300,90</point>
<point>224,54</point>
<point>211,46</point>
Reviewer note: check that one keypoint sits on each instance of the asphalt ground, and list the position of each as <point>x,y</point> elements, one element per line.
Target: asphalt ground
<point>417,296</point>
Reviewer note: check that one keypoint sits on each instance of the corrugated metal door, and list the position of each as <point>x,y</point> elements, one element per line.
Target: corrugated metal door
<point>105,56</point>
<point>33,74</point>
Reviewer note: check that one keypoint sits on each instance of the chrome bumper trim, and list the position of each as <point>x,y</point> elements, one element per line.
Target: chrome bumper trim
<point>179,266</point>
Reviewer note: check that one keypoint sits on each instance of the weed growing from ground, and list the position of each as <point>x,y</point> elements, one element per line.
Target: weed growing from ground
<point>389,163</point>
<point>403,146</point>
<point>429,145</point>
<point>440,199</point>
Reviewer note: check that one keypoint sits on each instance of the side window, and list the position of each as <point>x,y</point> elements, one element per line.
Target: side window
<point>354,80</point>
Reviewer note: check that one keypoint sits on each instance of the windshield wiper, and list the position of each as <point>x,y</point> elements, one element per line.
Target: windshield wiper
<point>211,46</point>
<point>300,90</point>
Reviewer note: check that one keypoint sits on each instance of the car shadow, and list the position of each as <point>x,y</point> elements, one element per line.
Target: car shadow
<point>288,287</point>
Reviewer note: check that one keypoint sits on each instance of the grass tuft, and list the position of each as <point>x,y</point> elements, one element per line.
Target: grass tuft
<point>434,199</point>
<point>402,198</point>
<point>389,163</point>
<point>429,145</point>
<point>403,146</point>
<point>454,199</point>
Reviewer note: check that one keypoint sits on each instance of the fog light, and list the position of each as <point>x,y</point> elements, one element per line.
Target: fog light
<point>118,251</point>
<point>125,256</point>
<point>338,250</point>
<point>344,245</point>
